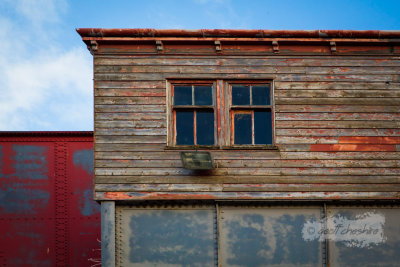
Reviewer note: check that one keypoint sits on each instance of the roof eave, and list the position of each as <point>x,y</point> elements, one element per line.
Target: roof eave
<point>230,33</point>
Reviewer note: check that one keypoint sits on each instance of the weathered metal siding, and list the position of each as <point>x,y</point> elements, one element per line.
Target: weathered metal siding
<point>257,235</point>
<point>337,117</point>
<point>182,236</point>
<point>47,213</point>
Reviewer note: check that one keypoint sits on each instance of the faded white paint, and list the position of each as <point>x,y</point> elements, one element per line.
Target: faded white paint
<point>362,231</point>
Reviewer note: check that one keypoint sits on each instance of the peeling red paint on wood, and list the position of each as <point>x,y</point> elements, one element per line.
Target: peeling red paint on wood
<point>235,33</point>
<point>369,139</point>
<point>154,196</point>
<point>336,113</point>
<point>116,196</point>
<point>350,147</point>
<point>251,196</point>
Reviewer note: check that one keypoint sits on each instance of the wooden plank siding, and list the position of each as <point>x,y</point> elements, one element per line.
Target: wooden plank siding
<point>337,124</point>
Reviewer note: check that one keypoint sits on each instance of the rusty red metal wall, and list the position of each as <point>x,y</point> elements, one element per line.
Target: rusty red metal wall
<point>47,215</point>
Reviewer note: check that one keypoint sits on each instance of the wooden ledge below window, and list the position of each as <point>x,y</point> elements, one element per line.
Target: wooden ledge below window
<point>234,147</point>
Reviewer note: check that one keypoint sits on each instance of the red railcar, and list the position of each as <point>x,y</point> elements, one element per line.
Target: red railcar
<point>47,213</point>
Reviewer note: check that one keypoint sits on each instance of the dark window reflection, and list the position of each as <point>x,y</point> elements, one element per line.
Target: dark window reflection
<point>184,128</point>
<point>260,95</point>
<point>262,127</point>
<point>203,95</point>
<point>242,129</point>
<point>205,127</point>
<point>182,95</point>
<point>240,95</point>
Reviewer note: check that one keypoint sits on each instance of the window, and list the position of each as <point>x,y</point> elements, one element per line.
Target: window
<point>220,114</point>
<point>193,113</point>
<point>251,114</point>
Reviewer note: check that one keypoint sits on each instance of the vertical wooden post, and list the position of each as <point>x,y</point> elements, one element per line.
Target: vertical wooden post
<point>108,233</point>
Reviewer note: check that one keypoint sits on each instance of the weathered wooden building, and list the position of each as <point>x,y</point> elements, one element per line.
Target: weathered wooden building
<point>302,134</point>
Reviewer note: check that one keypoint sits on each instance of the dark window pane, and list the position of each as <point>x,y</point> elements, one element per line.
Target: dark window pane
<point>260,95</point>
<point>205,127</point>
<point>240,95</point>
<point>242,129</point>
<point>184,128</point>
<point>182,95</point>
<point>203,95</point>
<point>262,127</point>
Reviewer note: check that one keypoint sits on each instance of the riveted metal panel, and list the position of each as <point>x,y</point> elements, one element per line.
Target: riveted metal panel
<point>45,216</point>
<point>27,204</point>
<point>258,234</point>
<point>364,236</point>
<point>268,236</point>
<point>108,233</point>
<point>166,236</point>
<point>84,213</point>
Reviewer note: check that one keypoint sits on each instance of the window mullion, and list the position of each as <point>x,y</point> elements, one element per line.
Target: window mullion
<point>252,128</point>
<point>174,126</point>
<point>194,119</point>
<point>192,95</point>
<point>251,95</point>
<point>194,127</point>
<point>232,126</point>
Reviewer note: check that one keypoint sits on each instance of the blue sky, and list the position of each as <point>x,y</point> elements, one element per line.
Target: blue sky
<point>46,70</point>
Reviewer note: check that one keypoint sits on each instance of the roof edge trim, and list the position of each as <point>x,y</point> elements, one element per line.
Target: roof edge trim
<point>46,133</point>
<point>231,33</point>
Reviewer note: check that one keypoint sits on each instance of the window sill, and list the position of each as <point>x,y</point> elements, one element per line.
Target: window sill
<point>177,147</point>
<point>251,147</point>
<point>234,147</point>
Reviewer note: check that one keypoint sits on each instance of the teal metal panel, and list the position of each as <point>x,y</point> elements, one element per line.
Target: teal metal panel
<point>108,233</point>
<point>270,236</point>
<point>366,237</point>
<point>253,236</point>
<point>166,237</point>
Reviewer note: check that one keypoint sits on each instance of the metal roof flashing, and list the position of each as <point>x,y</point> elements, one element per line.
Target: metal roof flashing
<point>46,133</point>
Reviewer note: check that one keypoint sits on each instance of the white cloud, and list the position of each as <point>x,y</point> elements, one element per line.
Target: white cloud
<point>43,87</point>
<point>39,11</point>
<point>36,84</point>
